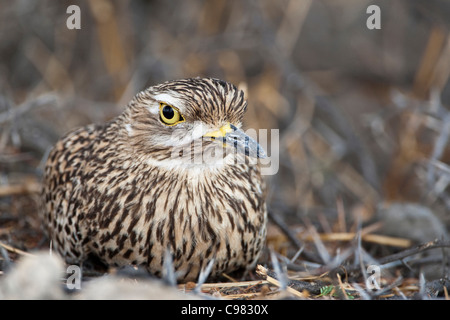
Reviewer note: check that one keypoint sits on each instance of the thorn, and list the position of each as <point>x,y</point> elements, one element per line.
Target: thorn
<point>169,274</point>
<point>203,276</point>
<point>278,270</point>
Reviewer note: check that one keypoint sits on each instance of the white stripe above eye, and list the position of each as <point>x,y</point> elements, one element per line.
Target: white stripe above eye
<point>170,100</point>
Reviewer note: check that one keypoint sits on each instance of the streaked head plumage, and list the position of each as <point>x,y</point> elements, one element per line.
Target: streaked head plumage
<point>177,113</point>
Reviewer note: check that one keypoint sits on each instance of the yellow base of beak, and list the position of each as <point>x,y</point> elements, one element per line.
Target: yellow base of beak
<point>221,132</point>
<point>234,137</point>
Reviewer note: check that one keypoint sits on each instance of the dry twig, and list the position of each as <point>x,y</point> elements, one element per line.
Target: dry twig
<point>14,250</point>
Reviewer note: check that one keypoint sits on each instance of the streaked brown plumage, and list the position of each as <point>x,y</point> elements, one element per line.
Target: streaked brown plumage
<point>132,189</point>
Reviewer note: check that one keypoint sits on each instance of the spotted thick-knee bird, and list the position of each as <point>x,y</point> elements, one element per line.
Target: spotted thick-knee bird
<point>174,173</point>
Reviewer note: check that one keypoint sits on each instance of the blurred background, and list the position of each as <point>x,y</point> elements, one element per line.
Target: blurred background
<point>363,114</point>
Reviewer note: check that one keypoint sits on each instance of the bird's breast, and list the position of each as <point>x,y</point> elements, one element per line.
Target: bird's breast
<point>195,214</point>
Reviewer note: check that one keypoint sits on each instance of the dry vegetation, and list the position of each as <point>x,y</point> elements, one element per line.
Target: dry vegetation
<point>363,115</point>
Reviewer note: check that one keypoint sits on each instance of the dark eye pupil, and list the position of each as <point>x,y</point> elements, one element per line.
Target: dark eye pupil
<point>168,112</point>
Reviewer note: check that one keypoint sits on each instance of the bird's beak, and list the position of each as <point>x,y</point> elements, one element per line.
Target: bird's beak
<point>232,136</point>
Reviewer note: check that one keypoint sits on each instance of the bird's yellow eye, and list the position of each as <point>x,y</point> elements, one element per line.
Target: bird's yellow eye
<point>169,115</point>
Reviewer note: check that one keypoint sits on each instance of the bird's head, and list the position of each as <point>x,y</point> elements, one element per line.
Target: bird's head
<point>169,119</point>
